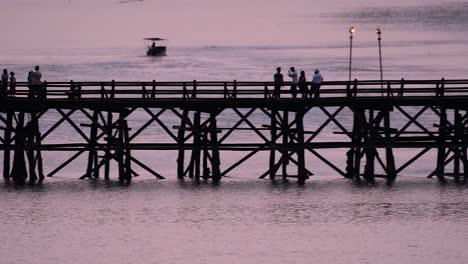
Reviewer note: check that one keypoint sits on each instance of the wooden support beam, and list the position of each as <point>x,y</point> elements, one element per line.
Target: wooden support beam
<point>326,161</point>
<point>148,123</point>
<point>242,160</point>
<point>324,124</point>
<point>68,161</point>
<point>236,126</point>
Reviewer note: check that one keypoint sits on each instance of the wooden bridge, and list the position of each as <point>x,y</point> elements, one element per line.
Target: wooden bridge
<point>372,119</point>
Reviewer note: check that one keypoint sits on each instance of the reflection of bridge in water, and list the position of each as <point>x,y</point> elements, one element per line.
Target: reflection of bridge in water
<point>363,116</point>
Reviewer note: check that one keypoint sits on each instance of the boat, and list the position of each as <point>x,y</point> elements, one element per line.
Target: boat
<point>157,46</point>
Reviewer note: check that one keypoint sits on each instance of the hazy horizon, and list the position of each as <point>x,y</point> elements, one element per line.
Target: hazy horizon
<point>108,23</point>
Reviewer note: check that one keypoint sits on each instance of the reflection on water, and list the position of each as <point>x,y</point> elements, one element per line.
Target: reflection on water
<point>249,221</point>
<point>442,16</point>
<point>243,219</point>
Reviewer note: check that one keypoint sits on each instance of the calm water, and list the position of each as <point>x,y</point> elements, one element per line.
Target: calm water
<point>244,219</point>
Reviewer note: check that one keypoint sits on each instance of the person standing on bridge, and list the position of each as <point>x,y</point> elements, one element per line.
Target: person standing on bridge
<point>278,82</point>
<point>36,83</point>
<point>295,79</point>
<point>302,84</point>
<point>12,84</point>
<point>317,80</point>
<point>4,82</point>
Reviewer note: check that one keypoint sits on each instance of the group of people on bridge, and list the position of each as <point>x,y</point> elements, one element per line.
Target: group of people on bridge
<point>298,83</point>
<point>8,83</point>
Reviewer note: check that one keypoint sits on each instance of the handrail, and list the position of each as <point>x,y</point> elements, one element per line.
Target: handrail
<point>192,90</point>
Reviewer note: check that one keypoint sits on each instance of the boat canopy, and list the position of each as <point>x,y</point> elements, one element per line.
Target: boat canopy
<point>154,39</point>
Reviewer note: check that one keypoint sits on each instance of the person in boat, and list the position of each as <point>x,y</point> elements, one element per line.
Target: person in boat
<point>153,46</point>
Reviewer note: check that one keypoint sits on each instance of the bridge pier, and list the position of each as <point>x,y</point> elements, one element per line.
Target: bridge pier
<point>455,134</point>
<point>27,142</point>
<point>366,134</point>
<point>292,135</point>
<point>19,173</point>
<point>116,147</point>
<point>204,160</point>
<point>7,139</point>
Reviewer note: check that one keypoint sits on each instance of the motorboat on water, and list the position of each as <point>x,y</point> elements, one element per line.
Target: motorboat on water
<point>156,46</point>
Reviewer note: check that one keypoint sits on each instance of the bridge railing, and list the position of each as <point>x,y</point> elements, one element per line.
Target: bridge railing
<point>235,90</point>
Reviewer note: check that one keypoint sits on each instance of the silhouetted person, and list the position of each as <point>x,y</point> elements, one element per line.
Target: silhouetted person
<point>12,83</point>
<point>317,80</point>
<point>30,92</point>
<point>302,84</point>
<point>36,83</point>
<point>293,74</point>
<point>4,85</point>
<point>278,80</point>
<point>153,45</point>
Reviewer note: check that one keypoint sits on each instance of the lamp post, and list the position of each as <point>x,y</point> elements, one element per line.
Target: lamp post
<point>351,31</point>
<point>379,33</point>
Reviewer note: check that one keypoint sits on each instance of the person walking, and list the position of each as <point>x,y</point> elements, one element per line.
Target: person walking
<point>4,85</point>
<point>36,83</point>
<point>278,82</point>
<point>12,83</point>
<point>317,80</point>
<point>302,84</point>
<point>295,79</point>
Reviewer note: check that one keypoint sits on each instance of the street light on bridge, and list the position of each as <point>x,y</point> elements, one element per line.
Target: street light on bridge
<point>351,31</point>
<point>379,33</point>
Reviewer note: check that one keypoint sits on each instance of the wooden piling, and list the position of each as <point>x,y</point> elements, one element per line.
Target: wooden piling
<point>181,141</point>
<point>215,161</point>
<point>389,150</point>
<point>301,171</point>
<point>110,143</point>
<point>19,173</point>
<point>369,137</point>
<point>119,149</point>
<point>273,146</point>
<point>7,151</point>
<point>357,138</point>
<point>285,144</point>
<point>127,151</point>
<point>92,154</point>
<point>196,145</point>
<point>458,134</point>
<point>440,170</point>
